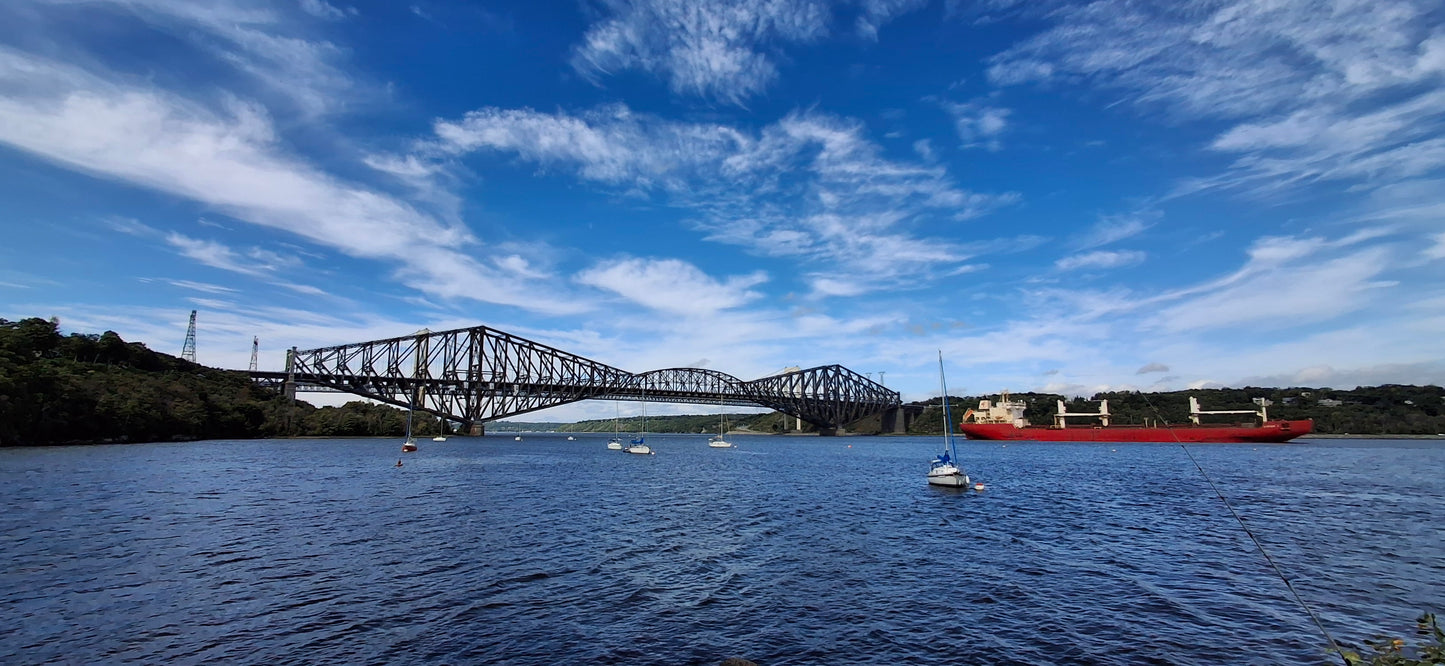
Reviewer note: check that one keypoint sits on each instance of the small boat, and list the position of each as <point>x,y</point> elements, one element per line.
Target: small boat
<point>408,445</point>
<point>615,444</point>
<point>439,438</point>
<point>518,438</point>
<point>718,442</point>
<point>571,438</point>
<point>943,470</point>
<point>639,445</point>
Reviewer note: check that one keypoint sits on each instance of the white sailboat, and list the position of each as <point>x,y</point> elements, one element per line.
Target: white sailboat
<point>639,445</point>
<point>718,442</point>
<point>615,444</point>
<point>944,471</point>
<point>409,444</point>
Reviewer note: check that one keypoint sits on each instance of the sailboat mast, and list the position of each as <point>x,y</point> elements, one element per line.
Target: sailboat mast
<point>947,417</point>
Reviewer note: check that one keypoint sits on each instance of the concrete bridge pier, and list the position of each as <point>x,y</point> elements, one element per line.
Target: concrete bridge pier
<point>478,429</point>
<point>897,419</point>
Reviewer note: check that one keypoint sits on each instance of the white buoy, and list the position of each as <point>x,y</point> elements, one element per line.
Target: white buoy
<point>978,486</point>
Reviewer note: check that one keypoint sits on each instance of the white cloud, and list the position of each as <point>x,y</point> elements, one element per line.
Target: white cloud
<point>924,148</point>
<point>1348,90</point>
<point>213,254</point>
<point>1152,368</point>
<point>1279,288</point>
<point>724,50</point>
<point>253,38</point>
<point>1436,251</point>
<point>874,14</point>
<point>202,286</point>
<point>1100,259</point>
<point>671,285</point>
<point>232,162</point>
<point>323,10</point>
<point>708,48</point>
<point>810,186</point>
<point>611,144</point>
<point>1114,228</point>
<point>1234,58</point>
<point>979,124</point>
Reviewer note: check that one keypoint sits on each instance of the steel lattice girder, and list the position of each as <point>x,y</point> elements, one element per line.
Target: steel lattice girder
<point>481,374</point>
<point>827,396</point>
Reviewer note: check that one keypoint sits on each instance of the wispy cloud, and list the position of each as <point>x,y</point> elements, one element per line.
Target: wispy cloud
<point>201,286</point>
<point>254,262</point>
<point>724,50</point>
<point>213,254</point>
<point>1351,91</point>
<point>325,10</point>
<point>1100,259</point>
<point>1286,282</point>
<point>708,48</point>
<point>1437,250</point>
<point>810,186</point>
<point>1152,368</point>
<point>265,42</point>
<point>230,161</point>
<point>1114,228</point>
<point>1232,59</point>
<point>979,124</point>
<point>671,285</point>
<point>874,14</point>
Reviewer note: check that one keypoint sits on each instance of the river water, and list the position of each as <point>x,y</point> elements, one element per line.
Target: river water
<point>785,550</point>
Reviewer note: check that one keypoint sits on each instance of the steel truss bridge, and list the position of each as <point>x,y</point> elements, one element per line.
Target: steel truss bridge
<point>480,374</point>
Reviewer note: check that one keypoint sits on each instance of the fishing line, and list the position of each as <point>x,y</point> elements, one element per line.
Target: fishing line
<point>1333,645</point>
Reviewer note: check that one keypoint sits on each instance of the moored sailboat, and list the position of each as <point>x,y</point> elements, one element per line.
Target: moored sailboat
<point>409,444</point>
<point>639,444</point>
<point>615,444</point>
<point>944,470</point>
<point>718,442</point>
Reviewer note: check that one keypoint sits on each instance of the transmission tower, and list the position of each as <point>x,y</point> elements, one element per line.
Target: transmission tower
<point>255,347</point>
<point>188,350</point>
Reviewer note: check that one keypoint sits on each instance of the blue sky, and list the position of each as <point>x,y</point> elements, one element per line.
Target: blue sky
<point>1059,196</point>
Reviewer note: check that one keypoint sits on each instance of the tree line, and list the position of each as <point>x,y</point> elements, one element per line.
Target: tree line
<point>1390,409</point>
<point>84,388</point>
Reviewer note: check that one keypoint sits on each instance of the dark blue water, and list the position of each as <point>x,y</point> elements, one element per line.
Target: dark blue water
<point>783,551</point>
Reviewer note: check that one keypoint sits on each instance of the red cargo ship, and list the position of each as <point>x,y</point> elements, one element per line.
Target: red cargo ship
<point>1005,420</point>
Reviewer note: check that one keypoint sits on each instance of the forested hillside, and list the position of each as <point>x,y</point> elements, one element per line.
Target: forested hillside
<point>99,388</point>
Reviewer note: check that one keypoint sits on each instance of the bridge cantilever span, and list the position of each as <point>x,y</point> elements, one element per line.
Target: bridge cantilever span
<point>479,374</point>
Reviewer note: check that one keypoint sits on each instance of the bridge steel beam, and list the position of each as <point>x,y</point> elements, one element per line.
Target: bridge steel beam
<point>479,374</point>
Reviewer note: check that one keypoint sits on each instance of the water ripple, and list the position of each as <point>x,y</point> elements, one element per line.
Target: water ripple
<point>784,551</point>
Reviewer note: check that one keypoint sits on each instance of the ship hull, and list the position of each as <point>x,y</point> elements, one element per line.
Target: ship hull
<point>1272,431</point>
